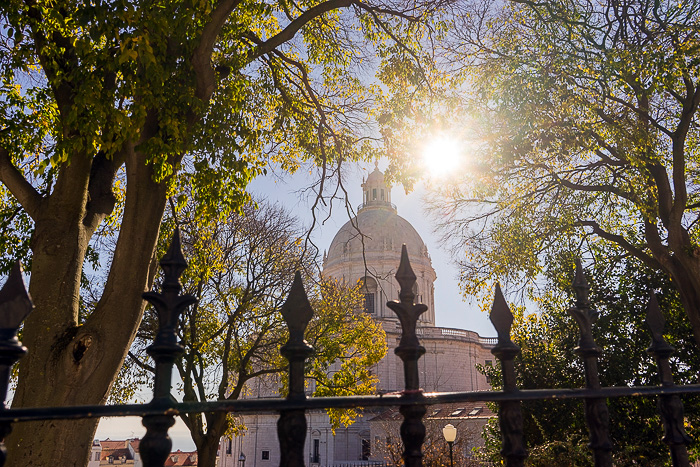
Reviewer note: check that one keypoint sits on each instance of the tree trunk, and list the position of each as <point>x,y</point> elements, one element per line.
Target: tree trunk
<point>207,447</point>
<point>207,443</point>
<point>69,363</point>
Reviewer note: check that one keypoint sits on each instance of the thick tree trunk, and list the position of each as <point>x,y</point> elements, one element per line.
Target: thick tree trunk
<point>72,364</point>
<point>206,450</point>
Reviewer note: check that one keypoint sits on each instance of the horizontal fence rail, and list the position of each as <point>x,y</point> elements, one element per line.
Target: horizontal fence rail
<point>158,415</point>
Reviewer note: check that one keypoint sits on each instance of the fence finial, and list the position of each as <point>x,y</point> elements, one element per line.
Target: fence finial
<point>15,306</point>
<point>501,317</point>
<point>584,315</point>
<point>670,406</point>
<point>409,351</point>
<point>291,426</point>
<point>169,304</point>
<point>656,322</point>
<point>597,415</point>
<point>509,413</point>
<point>15,302</point>
<point>580,285</point>
<point>297,313</point>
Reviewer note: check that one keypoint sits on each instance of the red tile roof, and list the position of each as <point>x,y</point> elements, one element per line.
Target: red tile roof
<point>118,449</point>
<point>181,458</point>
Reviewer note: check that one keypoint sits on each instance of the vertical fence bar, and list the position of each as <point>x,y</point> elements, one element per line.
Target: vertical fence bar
<point>15,306</point>
<point>597,416</point>
<point>409,351</point>
<point>510,416</point>
<point>169,304</point>
<point>291,426</point>
<point>670,407</point>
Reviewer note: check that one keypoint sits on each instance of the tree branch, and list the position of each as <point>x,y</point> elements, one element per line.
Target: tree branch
<point>201,58</point>
<point>292,28</point>
<point>622,242</point>
<point>12,178</point>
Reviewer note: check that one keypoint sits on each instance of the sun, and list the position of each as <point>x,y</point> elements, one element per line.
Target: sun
<point>442,156</point>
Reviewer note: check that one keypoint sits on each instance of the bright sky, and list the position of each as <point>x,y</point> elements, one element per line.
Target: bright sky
<point>450,309</point>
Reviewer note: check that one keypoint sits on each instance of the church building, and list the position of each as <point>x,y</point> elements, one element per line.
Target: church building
<point>367,249</point>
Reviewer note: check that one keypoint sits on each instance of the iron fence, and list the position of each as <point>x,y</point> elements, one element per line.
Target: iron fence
<point>158,415</point>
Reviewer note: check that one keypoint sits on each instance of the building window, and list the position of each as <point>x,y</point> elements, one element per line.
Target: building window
<point>382,195</point>
<point>369,290</point>
<point>316,452</point>
<point>366,449</point>
<point>228,448</point>
<point>369,303</point>
<point>265,455</point>
<point>374,193</point>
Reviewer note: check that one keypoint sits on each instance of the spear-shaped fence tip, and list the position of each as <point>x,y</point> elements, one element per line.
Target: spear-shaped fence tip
<point>501,316</point>
<point>580,285</point>
<point>655,319</point>
<point>405,276</point>
<point>15,302</point>
<point>296,310</point>
<point>173,262</point>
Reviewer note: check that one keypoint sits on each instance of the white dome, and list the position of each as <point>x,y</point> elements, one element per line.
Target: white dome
<point>369,246</point>
<point>374,230</point>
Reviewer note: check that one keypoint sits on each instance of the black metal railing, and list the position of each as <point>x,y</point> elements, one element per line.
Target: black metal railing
<point>159,414</point>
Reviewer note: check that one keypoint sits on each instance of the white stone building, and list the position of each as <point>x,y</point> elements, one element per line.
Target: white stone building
<point>367,249</point>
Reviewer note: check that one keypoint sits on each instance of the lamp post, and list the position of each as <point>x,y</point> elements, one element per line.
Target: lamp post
<point>450,433</point>
<point>241,460</point>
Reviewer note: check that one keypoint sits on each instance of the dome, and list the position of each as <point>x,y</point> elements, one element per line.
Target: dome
<point>367,249</point>
<point>375,230</point>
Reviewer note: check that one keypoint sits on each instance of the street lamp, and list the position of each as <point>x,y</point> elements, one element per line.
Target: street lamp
<point>450,433</point>
<point>241,460</point>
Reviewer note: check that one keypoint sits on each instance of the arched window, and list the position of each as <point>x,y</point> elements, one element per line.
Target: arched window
<point>369,290</point>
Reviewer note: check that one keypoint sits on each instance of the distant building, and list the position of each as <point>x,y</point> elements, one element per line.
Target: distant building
<point>367,249</point>
<point>108,452</point>
<point>126,452</point>
<point>181,458</point>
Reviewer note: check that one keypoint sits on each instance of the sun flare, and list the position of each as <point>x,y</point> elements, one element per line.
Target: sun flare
<point>442,157</point>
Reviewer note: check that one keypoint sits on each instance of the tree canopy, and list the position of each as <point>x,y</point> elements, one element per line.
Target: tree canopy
<point>584,129</point>
<point>106,104</point>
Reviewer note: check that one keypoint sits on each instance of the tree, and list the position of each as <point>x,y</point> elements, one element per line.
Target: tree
<point>584,127</point>
<point>241,269</point>
<point>105,103</point>
<point>555,431</point>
